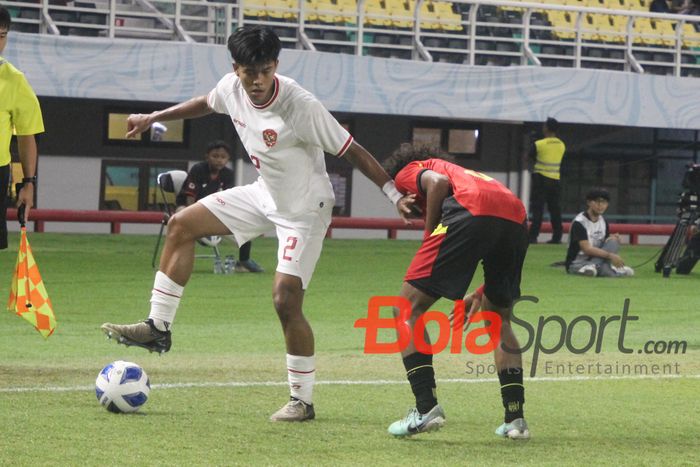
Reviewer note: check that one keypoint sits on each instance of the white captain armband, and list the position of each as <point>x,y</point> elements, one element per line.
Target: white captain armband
<point>391,192</point>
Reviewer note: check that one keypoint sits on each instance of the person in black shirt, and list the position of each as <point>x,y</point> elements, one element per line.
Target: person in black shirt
<point>208,177</point>
<point>592,250</point>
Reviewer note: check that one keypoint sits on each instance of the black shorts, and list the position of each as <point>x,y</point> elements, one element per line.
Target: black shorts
<point>446,262</point>
<point>4,187</point>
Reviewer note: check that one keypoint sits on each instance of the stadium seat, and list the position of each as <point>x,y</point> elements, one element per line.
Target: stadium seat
<point>608,28</point>
<point>254,9</point>
<point>638,5</point>
<point>618,4</point>
<point>329,12</point>
<point>281,10</point>
<point>581,3</point>
<point>169,185</point>
<point>667,31</point>
<point>691,37</point>
<point>377,13</point>
<point>450,21</point>
<point>430,20</point>
<point>563,24</point>
<point>401,16</point>
<point>655,32</point>
<point>310,11</point>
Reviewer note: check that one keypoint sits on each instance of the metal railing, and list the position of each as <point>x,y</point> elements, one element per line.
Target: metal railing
<point>473,32</point>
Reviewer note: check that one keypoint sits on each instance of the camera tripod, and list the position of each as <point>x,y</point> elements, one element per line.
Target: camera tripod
<point>688,212</point>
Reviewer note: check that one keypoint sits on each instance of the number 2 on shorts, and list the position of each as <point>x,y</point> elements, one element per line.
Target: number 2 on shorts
<point>291,244</point>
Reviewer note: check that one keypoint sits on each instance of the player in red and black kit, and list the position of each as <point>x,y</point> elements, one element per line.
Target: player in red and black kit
<point>209,177</point>
<point>469,217</point>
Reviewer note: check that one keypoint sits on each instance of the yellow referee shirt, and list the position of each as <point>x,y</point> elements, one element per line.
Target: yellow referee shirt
<point>19,108</point>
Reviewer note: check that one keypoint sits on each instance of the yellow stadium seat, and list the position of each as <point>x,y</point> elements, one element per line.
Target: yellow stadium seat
<point>691,38</point>
<point>513,8</point>
<point>329,12</point>
<point>429,18</point>
<point>579,3</point>
<point>667,30</point>
<point>348,9</point>
<point>638,5</point>
<point>607,29</point>
<point>618,4</point>
<point>589,30</point>
<point>449,20</point>
<point>563,24</point>
<point>310,11</point>
<point>646,34</point>
<point>597,4</point>
<point>255,9</point>
<point>620,24</point>
<point>401,16</point>
<point>277,10</point>
<point>376,14</point>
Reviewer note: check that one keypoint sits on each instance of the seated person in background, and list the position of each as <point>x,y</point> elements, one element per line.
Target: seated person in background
<point>211,176</point>
<point>592,250</point>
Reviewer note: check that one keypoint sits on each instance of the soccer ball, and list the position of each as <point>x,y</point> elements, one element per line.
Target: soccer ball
<point>122,387</point>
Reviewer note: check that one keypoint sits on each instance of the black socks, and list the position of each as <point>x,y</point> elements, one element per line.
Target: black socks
<point>512,392</point>
<point>419,370</point>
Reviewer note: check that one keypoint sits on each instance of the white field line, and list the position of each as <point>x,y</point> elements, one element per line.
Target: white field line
<point>378,382</point>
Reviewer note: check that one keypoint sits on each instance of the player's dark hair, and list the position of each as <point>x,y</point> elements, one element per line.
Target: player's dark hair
<point>407,153</point>
<point>595,193</point>
<point>5,18</point>
<point>251,45</point>
<point>218,144</point>
<point>552,124</point>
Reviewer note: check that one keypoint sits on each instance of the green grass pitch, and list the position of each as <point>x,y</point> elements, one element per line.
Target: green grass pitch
<point>214,391</point>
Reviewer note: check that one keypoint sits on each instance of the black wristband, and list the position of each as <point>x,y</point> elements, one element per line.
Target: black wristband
<point>29,180</point>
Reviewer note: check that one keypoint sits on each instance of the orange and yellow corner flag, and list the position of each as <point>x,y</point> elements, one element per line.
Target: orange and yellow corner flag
<point>28,297</point>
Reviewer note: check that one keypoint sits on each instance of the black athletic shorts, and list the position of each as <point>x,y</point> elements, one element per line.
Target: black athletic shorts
<point>446,261</point>
<point>4,187</point>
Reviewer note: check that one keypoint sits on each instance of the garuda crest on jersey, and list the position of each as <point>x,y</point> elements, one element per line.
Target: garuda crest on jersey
<point>270,137</point>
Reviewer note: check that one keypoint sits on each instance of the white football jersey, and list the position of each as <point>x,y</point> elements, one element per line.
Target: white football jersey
<point>285,139</point>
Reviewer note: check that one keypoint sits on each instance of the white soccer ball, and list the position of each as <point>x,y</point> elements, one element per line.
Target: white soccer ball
<point>122,387</point>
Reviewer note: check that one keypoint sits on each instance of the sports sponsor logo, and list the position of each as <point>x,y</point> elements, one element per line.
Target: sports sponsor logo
<point>372,323</point>
<point>270,137</point>
<point>590,331</point>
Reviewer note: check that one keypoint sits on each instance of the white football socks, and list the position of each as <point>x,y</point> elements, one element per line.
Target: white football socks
<point>165,299</point>
<point>301,372</point>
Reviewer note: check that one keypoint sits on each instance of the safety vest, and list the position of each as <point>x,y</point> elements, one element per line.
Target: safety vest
<point>550,152</point>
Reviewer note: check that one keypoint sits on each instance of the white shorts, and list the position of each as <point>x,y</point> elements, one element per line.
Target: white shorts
<point>249,211</point>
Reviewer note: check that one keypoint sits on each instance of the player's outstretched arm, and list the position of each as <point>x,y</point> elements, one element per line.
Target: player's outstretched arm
<point>193,108</point>
<point>362,160</point>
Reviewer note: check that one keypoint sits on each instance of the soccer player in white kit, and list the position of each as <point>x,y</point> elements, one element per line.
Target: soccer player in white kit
<point>285,131</point>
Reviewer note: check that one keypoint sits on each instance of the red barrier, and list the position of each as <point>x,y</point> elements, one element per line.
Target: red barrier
<point>114,218</point>
<point>392,226</point>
